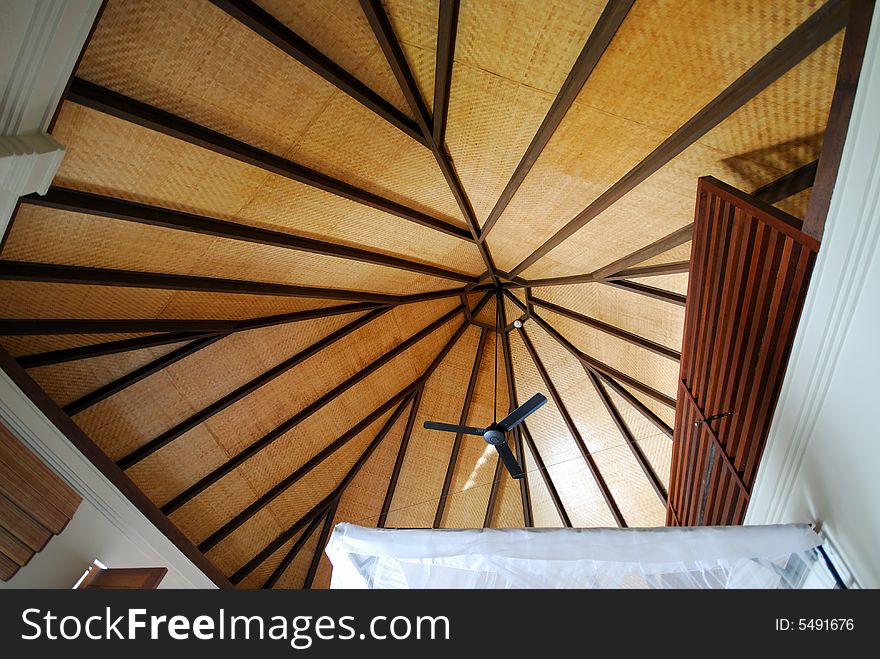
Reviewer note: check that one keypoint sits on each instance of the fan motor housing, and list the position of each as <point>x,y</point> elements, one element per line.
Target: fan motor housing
<point>494,436</point>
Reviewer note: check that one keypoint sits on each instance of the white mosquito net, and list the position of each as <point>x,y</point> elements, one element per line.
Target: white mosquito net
<point>698,557</point>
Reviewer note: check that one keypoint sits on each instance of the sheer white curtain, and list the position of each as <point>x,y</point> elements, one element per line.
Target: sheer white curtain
<point>699,557</point>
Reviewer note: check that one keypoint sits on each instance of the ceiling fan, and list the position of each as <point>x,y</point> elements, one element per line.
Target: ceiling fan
<point>496,433</point>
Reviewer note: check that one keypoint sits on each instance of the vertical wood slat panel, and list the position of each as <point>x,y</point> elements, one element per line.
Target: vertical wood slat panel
<point>750,267</point>
<point>34,504</point>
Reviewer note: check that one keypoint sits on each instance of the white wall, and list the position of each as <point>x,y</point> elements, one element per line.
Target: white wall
<point>107,526</point>
<point>88,536</point>
<point>823,453</point>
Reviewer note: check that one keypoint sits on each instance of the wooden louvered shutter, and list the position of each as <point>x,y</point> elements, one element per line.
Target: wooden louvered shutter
<point>35,504</point>
<point>750,267</point>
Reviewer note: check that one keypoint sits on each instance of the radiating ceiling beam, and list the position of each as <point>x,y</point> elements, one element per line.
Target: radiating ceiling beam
<point>601,367</point>
<point>285,535</point>
<point>109,102</point>
<point>249,387</point>
<point>638,405</point>
<point>401,455</point>
<point>378,19</point>
<point>291,554</point>
<point>279,35</point>
<point>164,439</point>
<point>545,476</point>
<point>649,291</point>
<point>141,342</point>
<point>456,444</point>
<point>322,542</point>
<point>76,201</point>
<point>788,185</point>
<point>612,330</point>
<point>72,274</point>
<point>659,246</point>
<point>802,41</point>
<point>513,403</point>
<point>447,26</point>
<point>674,268</point>
<point>177,329</point>
<point>603,32</point>
<point>573,431</point>
<point>316,512</point>
<point>400,399</point>
<point>124,381</point>
<point>627,435</point>
<point>848,72</point>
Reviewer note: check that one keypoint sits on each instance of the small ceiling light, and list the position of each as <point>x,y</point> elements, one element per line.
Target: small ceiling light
<point>517,323</point>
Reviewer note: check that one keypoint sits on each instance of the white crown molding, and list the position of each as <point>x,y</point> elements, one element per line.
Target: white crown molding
<point>30,425</point>
<point>850,246</point>
<point>40,41</point>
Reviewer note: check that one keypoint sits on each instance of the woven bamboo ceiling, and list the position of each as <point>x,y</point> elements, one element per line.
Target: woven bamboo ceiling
<point>278,237</point>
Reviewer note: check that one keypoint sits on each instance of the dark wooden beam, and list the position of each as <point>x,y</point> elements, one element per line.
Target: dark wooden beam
<point>430,295</point>
<point>384,32</point>
<point>322,542</point>
<point>105,465</point>
<point>549,281</point>
<point>786,186</point>
<point>165,438</point>
<point>573,431</point>
<point>674,268</point>
<point>848,73</point>
<point>393,52</point>
<point>513,403</point>
<point>109,102</point>
<point>401,455</point>
<point>659,246</point>
<point>119,384</point>
<point>649,291</point>
<point>606,27</point>
<point>285,39</point>
<point>177,329</point>
<point>629,337</point>
<point>627,435</point>
<point>603,368</point>
<point>545,476</point>
<point>285,535</point>
<point>292,554</point>
<point>129,211</point>
<point>245,389</point>
<point>316,512</point>
<point>326,504</point>
<point>400,399</point>
<point>456,445</point>
<point>138,343</point>
<point>447,26</point>
<point>71,274</point>
<point>802,41</point>
<point>638,405</point>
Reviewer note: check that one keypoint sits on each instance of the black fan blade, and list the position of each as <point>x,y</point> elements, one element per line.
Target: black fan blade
<point>509,461</point>
<point>519,415</point>
<point>464,430</point>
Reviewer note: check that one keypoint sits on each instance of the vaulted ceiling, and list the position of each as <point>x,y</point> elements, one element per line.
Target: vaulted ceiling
<point>281,230</point>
